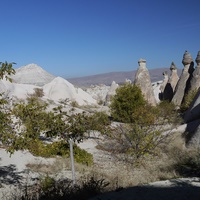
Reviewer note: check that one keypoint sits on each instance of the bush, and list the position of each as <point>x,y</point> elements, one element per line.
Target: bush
<point>125,102</point>
<point>61,148</point>
<point>168,113</point>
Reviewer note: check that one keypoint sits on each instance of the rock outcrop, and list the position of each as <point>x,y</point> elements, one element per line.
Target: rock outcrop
<point>184,81</point>
<point>142,79</point>
<point>172,82</point>
<point>195,80</point>
<point>32,74</point>
<point>163,85</point>
<point>111,92</point>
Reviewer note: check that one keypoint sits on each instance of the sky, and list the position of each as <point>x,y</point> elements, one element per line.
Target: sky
<point>74,38</point>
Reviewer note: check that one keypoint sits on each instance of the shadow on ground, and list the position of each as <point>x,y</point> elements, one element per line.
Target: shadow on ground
<point>9,175</point>
<point>182,190</point>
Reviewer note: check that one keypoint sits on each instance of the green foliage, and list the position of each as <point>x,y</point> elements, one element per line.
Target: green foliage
<point>82,156</point>
<point>6,70</point>
<point>124,104</point>
<point>59,148</point>
<point>188,100</point>
<point>39,148</point>
<point>167,113</point>
<point>7,132</point>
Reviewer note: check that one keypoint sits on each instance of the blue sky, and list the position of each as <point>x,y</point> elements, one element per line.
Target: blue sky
<point>73,38</point>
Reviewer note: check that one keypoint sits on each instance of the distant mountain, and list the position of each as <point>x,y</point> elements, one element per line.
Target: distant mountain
<point>118,77</point>
<point>32,74</point>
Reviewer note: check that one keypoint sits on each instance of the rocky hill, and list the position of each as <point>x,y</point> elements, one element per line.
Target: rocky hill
<point>118,77</point>
<point>32,74</point>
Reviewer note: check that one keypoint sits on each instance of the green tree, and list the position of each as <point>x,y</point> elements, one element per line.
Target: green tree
<point>34,117</point>
<point>6,124</point>
<point>125,102</point>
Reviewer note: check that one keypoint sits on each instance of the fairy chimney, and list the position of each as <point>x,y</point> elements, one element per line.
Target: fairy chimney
<point>172,82</point>
<point>195,81</point>
<point>142,79</point>
<point>163,84</point>
<point>184,81</point>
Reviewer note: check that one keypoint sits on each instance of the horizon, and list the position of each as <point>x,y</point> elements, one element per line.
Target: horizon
<point>74,38</point>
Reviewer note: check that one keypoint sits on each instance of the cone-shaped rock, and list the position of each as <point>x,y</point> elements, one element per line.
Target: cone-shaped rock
<point>172,82</point>
<point>142,79</point>
<point>184,81</point>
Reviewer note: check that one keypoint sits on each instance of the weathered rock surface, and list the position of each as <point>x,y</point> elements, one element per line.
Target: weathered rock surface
<point>184,81</point>
<point>163,85</point>
<point>142,79</point>
<point>111,92</point>
<point>193,112</point>
<point>172,82</point>
<point>195,80</point>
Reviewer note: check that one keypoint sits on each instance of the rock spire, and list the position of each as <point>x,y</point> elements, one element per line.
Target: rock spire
<point>184,81</point>
<point>142,79</point>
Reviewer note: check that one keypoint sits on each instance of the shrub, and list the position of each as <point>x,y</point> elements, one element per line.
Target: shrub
<point>82,156</point>
<point>125,102</point>
<point>61,148</point>
<point>38,93</point>
<point>168,113</point>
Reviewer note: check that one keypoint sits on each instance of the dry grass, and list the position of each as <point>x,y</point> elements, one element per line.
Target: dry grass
<point>119,173</point>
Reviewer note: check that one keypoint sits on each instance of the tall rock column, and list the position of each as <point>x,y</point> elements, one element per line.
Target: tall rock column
<point>184,81</point>
<point>172,82</point>
<point>163,85</point>
<point>195,81</point>
<point>142,79</point>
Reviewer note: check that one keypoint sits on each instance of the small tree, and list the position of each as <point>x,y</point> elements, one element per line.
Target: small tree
<point>125,102</point>
<point>6,125</point>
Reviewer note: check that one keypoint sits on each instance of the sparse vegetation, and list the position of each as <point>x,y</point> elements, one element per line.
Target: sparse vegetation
<point>137,149</point>
<point>188,100</point>
<point>38,93</point>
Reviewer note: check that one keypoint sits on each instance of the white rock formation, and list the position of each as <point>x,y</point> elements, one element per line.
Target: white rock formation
<point>184,81</point>
<point>32,74</point>
<point>19,91</point>
<point>60,88</point>
<point>142,79</point>
<point>111,92</point>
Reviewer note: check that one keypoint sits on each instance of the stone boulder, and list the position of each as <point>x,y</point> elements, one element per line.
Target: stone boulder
<point>184,81</point>
<point>142,79</point>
